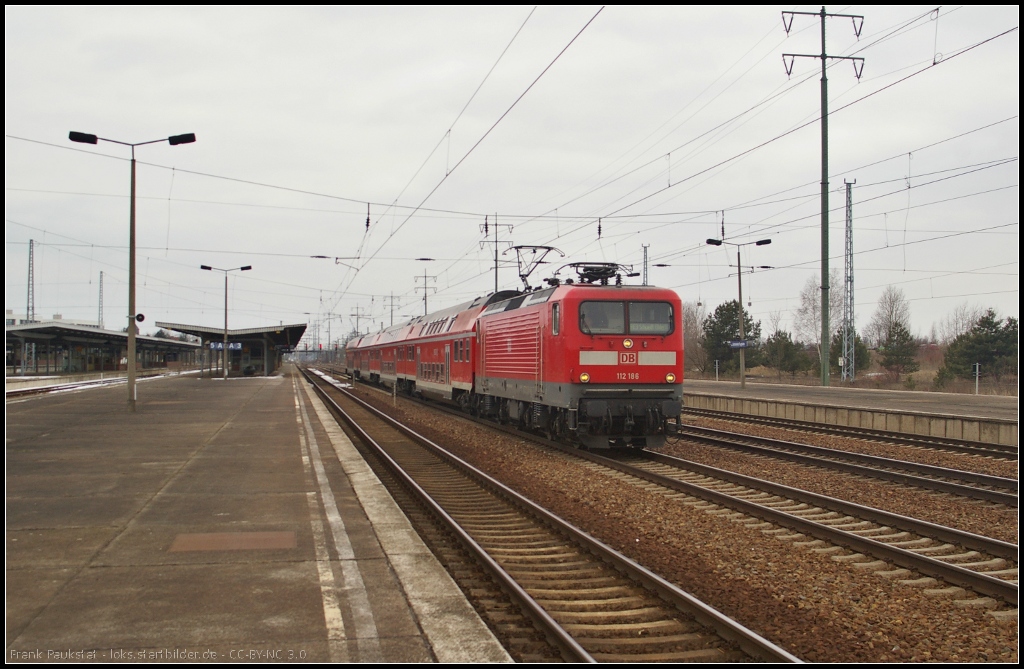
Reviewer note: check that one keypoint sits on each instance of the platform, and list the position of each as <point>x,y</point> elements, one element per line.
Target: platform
<point>223,521</point>
<point>987,418</point>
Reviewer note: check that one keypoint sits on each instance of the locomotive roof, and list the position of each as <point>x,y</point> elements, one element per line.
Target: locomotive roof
<point>540,296</point>
<point>444,320</point>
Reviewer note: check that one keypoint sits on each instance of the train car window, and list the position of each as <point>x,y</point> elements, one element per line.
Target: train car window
<point>651,318</point>
<point>556,318</point>
<point>603,317</point>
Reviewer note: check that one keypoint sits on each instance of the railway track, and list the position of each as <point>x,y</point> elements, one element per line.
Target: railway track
<point>15,393</point>
<point>42,390</point>
<point>975,570</point>
<point>882,542</point>
<point>978,448</point>
<point>593,603</point>
<point>967,484</point>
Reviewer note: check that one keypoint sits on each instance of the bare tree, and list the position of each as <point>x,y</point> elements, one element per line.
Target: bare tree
<point>696,356</point>
<point>958,322</point>
<point>893,309</point>
<point>808,315</point>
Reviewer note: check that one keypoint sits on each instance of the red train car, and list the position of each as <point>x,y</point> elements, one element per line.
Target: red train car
<point>601,364</point>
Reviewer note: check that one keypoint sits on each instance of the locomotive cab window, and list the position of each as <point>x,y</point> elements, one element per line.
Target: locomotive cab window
<point>619,318</point>
<point>603,318</point>
<point>556,318</point>
<point>654,318</point>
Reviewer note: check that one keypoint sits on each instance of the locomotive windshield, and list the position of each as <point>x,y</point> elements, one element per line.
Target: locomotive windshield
<point>650,318</point>
<point>619,318</point>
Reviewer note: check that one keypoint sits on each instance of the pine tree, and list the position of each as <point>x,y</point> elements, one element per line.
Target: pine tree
<point>724,326</point>
<point>898,351</point>
<point>861,354</point>
<point>991,343</point>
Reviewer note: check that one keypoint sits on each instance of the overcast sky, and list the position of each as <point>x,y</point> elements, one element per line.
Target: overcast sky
<point>650,126</point>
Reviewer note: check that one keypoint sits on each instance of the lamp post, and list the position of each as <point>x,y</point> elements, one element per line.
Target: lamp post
<point>85,138</point>
<point>233,269</point>
<point>739,279</point>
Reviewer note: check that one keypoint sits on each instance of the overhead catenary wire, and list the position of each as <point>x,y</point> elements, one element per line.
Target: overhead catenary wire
<point>611,233</point>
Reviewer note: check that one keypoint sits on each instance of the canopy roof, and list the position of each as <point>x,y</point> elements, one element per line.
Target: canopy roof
<point>62,334</point>
<point>283,337</point>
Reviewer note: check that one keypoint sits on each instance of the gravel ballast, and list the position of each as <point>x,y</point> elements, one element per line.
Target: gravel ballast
<point>810,604</point>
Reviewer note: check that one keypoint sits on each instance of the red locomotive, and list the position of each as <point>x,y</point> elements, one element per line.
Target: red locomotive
<point>601,363</point>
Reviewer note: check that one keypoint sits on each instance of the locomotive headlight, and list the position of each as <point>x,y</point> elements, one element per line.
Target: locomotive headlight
<point>670,378</point>
<point>584,378</point>
<point>628,343</point>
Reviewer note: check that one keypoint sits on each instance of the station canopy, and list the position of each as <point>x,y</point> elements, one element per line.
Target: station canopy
<point>56,333</point>
<point>281,337</point>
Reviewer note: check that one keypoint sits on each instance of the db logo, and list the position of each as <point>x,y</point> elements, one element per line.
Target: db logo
<point>627,358</point>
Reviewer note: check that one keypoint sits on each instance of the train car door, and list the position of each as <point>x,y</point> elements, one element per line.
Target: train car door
<point>447,364</point>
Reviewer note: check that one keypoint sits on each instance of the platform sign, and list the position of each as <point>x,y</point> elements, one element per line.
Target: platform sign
<point>232,345</point>
<point>738,343</point>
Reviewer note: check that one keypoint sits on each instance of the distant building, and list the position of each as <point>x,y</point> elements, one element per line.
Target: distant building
<point>12,318</point>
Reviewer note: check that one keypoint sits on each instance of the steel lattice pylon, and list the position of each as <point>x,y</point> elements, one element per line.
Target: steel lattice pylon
<point>849,326</point>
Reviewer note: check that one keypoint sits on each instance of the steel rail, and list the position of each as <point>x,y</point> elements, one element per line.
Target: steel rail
<point>729,629</point>
<point>76,385</point>
<point>833,459</point>
<point>977,581</point>
<point>921,441</point>
<point>544,621</point>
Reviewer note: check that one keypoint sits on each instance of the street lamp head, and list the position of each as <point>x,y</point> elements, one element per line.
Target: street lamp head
<point>762,242</point>
<point>247,267</point>
<point>426,259</point>
<point>714,242</point>
<point>205,267</point>
<point>83,138</point>
<point>187,138</point>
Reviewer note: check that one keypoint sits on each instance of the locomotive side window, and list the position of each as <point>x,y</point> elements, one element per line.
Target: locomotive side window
<point>556,318</point>
<point>654,318</point>
<point>603,317</point>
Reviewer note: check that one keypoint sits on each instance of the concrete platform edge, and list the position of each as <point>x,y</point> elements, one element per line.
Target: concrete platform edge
<point>989,430</point>
<point>455,631</point>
